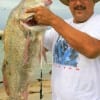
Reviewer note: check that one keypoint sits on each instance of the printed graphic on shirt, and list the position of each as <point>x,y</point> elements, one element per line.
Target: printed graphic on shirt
<point>64,54</point>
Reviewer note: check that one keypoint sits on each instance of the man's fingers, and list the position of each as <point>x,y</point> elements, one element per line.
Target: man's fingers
<point>30,10</point>
<point>33,10</point>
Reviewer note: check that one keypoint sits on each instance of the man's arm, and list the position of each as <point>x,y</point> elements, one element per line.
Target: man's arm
<point>80,41</point>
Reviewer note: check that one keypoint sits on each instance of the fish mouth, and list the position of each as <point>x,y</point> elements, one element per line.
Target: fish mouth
<point>29,21</point>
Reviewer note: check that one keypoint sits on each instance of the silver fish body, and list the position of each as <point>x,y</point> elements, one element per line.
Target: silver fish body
<point>21,47</point>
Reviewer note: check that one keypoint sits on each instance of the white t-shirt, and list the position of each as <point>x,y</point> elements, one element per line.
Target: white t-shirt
<point>74,76</point>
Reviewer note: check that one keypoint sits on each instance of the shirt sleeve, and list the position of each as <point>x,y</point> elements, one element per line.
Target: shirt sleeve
<point>93,27</point>
<point>49,39</point>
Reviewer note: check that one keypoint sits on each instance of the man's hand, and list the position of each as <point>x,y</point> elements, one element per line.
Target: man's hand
<point>42,15</point>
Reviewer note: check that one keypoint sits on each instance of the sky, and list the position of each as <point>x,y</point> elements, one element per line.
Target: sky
<point>57,7</point>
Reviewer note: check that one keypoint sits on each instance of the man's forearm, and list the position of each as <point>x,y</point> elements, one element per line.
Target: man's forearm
<point>80,41</point>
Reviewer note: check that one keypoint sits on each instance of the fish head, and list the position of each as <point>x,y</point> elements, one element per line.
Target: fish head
<point>27,20</point>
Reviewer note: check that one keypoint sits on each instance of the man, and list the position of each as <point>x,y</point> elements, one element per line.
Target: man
<point>75,44</point>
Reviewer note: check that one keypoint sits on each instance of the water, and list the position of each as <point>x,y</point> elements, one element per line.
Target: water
<point>1,58</point>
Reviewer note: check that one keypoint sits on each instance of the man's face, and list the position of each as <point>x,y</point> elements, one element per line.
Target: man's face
<point>81,9</point>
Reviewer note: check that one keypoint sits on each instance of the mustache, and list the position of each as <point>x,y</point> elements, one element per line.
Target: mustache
<point>79,7</point>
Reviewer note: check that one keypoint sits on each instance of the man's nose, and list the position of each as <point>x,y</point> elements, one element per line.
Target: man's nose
<point>78,2</point>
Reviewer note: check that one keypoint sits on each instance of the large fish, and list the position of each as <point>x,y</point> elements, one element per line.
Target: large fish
<point>22,43</point>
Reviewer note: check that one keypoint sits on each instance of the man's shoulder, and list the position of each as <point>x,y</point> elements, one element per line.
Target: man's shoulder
<point>95,17</point>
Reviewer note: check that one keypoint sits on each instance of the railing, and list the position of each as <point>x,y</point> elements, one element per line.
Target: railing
<point>1,34</point>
